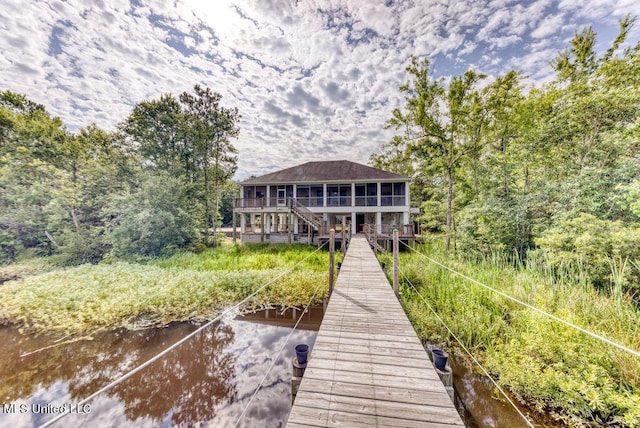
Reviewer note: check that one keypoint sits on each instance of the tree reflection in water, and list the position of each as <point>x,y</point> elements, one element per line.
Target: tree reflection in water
<point>189,383</point>
<point>206,380</point>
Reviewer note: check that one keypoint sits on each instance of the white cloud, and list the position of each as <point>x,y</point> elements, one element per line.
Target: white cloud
<point>548,26</point>
<point>308,84</point>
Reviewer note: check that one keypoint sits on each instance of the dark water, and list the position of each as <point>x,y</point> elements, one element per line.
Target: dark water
<point>481,404</point>
<point>206,381</point>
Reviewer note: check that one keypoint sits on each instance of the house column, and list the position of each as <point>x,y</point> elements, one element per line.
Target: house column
<point>268,196</point>
<point>378,195</point>
<point>324,195</point>
<point>267,223</point>
<point>379,222</point>
<point>353,196</point>
<point>243,223</point>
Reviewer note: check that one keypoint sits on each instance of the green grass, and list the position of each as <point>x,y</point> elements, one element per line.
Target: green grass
<point>551,367</point>
<point>183,287</point>
<point>24,268</point>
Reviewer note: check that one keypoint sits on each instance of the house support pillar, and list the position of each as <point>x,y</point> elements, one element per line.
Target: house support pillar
<point>262,224</point>
<point>267,223</point>
<point>354,226</point>
<point>233,220</point>
<point>379,222</point>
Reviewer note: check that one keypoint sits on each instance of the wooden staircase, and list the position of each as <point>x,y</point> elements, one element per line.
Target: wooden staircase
<point>305,214</point>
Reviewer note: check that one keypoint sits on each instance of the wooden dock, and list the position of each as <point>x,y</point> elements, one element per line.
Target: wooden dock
<point>368,367</point>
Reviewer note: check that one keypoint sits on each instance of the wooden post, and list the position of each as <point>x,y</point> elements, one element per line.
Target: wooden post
<point>290,225</point>
<point>332,250</point>
<point>396,265</point>
<point>343,230</point>
<point>375,238</point>
<point>296,378</point>
<point>262,227</point>
<point>234,227</point>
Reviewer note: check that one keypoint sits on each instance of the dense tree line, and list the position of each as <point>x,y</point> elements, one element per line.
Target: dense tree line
<point>153,185</point>
<point>500,166</point>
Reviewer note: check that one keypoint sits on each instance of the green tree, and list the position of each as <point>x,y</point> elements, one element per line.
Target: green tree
<point>211,127</point>
<point>159,133</point>
<point>230,191</point>
<point>33,185</point>
<point>442,124</point>
<point>152,219</point>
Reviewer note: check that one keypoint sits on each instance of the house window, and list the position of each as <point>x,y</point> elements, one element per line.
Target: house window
<point>339,195</point>
<point>398,194</point>
<point>254,192</point>
<point>386,191</point>
<point>309,196</point>
<point>393,194</point>
<point>367,195</point>
<point>249,192</point>
<point>302,195</point>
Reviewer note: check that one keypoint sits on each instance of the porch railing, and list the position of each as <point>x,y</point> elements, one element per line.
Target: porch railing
<point>332,201</point>
<point>386,230</point>
<point>259,202</point>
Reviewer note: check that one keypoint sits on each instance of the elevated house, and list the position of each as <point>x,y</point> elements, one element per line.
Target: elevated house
<point>302,203</point>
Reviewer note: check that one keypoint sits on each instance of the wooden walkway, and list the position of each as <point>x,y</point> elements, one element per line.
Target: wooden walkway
<point>368,367</point>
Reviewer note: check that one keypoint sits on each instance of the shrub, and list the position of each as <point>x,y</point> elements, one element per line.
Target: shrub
<point>602,246</point>
<point>153,220</point>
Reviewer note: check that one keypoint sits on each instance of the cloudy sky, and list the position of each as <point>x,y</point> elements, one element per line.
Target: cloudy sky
<point>312,79</point>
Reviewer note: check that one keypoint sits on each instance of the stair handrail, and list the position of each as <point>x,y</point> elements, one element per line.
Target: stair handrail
<point>305,213</point>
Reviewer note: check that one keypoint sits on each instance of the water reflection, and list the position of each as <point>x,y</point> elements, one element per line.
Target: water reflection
<point>480,406</point>
<point>208,380</point>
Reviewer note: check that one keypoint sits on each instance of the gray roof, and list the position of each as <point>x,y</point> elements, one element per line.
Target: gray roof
<point>325,172</point>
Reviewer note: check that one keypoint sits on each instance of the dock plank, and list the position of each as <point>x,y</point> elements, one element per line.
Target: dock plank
<point>368,367</point>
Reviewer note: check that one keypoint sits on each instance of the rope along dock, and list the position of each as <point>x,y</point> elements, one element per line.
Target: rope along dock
<point>368,367</point>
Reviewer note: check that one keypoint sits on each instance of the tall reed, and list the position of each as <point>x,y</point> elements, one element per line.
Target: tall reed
<point>551,367</point>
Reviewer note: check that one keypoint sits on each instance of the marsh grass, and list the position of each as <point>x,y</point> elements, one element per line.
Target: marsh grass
<point>25,267</point>
<point>180,288</point>
<point>551,367</point>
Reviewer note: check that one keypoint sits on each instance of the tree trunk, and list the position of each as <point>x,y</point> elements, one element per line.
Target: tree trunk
<point>449,207</point>
<point>216,211</point>
<point>505,173</point>
<point>207,209</point>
